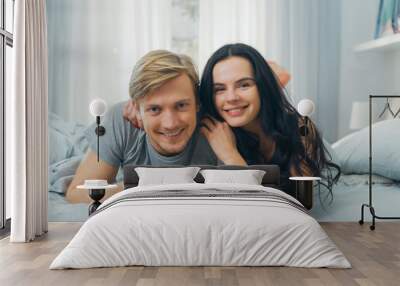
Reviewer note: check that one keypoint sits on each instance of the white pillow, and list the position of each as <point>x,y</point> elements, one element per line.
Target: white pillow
<point>353,150</point>
<point>248,177</point>
<point>163,176</point>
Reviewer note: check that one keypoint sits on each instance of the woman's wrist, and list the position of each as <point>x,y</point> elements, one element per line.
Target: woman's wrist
<point>234,159</point>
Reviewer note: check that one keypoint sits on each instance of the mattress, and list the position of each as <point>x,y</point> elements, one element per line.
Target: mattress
<point>350,193</point>
<point>201,225</point>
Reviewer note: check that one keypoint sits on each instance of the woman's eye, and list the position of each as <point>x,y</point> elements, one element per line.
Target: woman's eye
<point>245,85</point>
<point>218,90</point>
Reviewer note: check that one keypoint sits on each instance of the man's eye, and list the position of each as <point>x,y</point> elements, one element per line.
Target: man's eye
<point>153,109</point>
<point>182,105</point>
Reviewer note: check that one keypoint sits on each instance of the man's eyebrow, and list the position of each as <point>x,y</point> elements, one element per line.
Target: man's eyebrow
<point>184,100</point>
<point>151,105</point>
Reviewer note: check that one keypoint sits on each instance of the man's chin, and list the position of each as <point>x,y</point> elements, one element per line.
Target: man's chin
<point>171,149</point>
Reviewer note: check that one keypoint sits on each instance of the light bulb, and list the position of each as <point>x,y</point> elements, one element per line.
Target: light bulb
<point>305,107</point>
<point>98,107</point>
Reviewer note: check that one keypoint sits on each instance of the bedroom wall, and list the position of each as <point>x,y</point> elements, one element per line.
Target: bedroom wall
<point>328,68</point>
<point>363,73</point>
<point>392,74</point>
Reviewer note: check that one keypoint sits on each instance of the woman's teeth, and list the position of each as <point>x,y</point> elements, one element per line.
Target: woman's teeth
<point>236,111</point>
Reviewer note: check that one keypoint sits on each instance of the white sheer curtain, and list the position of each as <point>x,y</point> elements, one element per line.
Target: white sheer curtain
<point>283,31</point>
<point>300,35</point>
<point>229,21</point>
<point>304,36</point>
<point>26,118</point>
<point>293,41</point>
<point>93,46</point>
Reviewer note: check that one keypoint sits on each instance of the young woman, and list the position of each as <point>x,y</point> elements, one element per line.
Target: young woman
<point>248,119</point>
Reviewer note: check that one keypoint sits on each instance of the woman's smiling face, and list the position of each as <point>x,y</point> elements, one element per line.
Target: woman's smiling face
<point>236,95</point>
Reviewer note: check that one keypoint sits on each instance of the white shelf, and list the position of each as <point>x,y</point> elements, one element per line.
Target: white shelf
<point>388,43</point>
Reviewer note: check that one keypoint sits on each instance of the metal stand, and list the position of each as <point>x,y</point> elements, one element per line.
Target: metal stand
<point>369,205</point>
<point>100,131</point>
<point>304,190</point>
<point>304,193</point>
<point>96,195</point>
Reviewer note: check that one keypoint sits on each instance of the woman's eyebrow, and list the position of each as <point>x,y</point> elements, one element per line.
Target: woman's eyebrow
<point>217,84</point>
<point>245,78</point>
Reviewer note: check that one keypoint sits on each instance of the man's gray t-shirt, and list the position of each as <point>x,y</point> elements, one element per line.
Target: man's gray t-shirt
<point>123,144</point>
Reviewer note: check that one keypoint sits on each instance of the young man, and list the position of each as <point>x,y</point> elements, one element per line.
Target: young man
<point>163,87</point>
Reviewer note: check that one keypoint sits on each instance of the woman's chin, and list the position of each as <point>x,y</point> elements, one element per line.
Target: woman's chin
<point>236,122</point>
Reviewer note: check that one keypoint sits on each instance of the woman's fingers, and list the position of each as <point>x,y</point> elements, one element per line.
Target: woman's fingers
<point>126,110</point>
<point>130,114</point>
<point>211,123</point>
<point>205,131</point>
<point>139,122</point>
<point>212,119</point>
<point>208,123</point>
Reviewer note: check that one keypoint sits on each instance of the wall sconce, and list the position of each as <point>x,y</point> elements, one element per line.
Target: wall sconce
<point>97,108</point>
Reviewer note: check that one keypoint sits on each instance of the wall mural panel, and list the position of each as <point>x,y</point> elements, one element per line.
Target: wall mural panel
<point>135,62</point>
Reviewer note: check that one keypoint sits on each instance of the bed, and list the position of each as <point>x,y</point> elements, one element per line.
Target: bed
<point>68,145</point>
<point>193,224</point>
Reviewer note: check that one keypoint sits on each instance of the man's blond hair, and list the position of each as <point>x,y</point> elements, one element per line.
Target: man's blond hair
<point>156,68</point>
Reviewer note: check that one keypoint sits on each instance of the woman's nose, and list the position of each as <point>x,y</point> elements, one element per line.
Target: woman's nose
<point>232,95</point>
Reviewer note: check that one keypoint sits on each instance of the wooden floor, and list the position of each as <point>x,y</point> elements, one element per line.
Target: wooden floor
<point>374,255</point>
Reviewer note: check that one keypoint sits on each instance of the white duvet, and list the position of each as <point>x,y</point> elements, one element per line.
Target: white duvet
<point>228,230</point>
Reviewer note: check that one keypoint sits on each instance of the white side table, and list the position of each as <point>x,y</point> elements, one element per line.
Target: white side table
<point>304,190</point>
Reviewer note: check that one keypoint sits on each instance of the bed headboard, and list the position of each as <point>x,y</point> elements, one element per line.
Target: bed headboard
<point>270,179</point>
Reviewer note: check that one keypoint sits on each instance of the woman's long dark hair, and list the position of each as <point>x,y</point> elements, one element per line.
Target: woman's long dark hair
<point>279,119</point>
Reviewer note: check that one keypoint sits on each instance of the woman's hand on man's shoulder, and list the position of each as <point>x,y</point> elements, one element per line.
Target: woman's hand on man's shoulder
<point>130,114</point>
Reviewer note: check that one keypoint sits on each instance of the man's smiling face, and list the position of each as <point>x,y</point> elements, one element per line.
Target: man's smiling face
<point>169,115</point>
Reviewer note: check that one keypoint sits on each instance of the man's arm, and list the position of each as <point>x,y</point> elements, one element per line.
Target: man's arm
<point>88,169</point>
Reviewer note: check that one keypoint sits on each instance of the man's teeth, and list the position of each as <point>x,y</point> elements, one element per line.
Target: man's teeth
<point>171,134</point>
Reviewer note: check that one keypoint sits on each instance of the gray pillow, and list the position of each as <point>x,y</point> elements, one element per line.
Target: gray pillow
<point>248,177</point>
<point>332,156</point>
<point>163,176</point>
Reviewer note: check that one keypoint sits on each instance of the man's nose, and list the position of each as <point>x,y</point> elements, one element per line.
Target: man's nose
<point>170,120</point>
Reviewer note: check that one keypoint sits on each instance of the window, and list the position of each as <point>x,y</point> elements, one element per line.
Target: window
<point>6,44</point>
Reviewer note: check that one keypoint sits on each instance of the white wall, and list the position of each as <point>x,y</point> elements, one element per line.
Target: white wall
<point>362,74</point>
<point>328,68</point>
<point>392,73</point>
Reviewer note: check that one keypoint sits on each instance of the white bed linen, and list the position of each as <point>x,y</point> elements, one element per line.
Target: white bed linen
<point>200,231</point>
